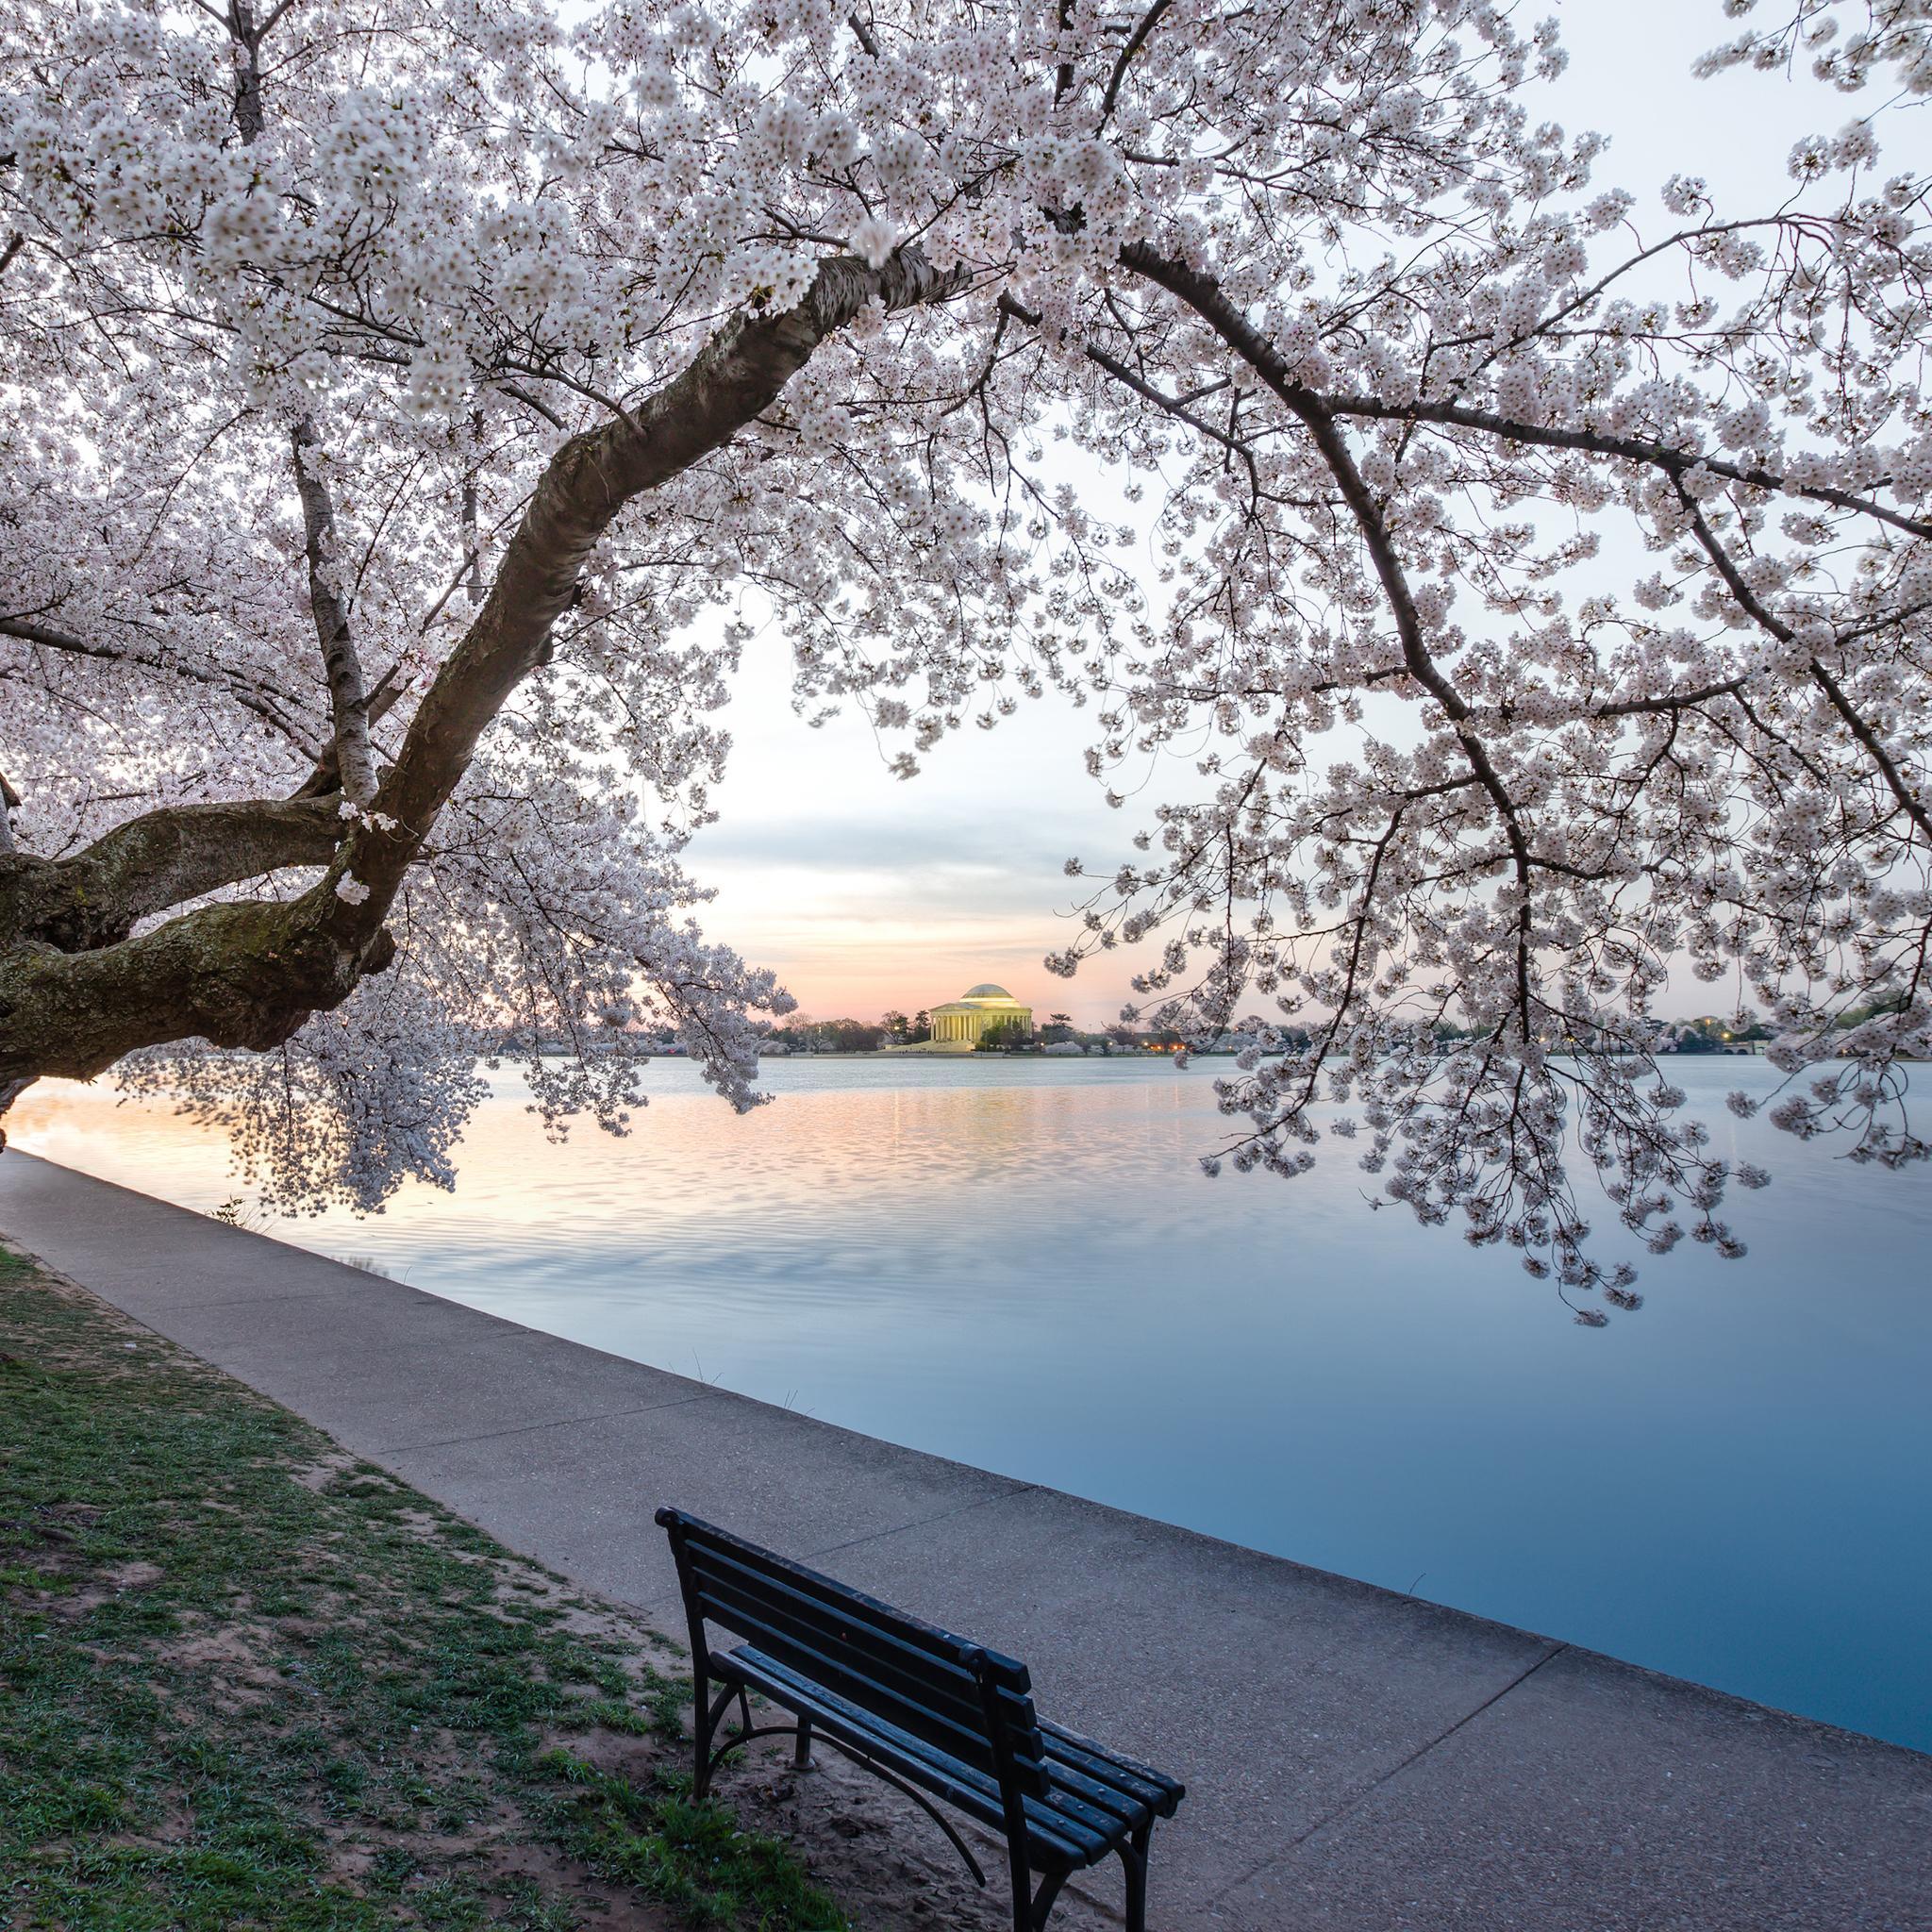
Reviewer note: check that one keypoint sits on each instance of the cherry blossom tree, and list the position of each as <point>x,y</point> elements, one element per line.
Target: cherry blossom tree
<point>413,406</point>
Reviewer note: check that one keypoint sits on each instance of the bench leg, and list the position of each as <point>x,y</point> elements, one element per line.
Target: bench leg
<point>1134,1859</point>
<point>1041,1903</point>
<point>1029,1909</point>
<point>801,1749</point>
<point>700,1732</point>
<point>708,1717</point>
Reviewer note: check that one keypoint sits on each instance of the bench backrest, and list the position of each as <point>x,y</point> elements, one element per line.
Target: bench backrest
<point>958,1697</point>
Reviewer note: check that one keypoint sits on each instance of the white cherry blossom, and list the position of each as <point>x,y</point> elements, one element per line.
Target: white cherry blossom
<point>409,409</point>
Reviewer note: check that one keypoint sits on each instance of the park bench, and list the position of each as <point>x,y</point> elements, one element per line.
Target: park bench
<point>924,1710</point>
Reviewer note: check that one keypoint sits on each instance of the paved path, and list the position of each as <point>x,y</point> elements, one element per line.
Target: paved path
<point>1354,1758</point>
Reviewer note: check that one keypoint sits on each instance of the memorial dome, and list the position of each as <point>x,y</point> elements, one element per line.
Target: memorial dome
<point>981,1010</point>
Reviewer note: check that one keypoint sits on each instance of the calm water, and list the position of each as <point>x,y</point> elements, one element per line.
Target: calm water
<point>1018,1264</point>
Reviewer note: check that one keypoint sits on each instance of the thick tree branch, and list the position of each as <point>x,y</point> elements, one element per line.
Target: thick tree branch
<point>242,974</point>
<point>735,377</point>
<point>248,975</point>
<point>162,859</point>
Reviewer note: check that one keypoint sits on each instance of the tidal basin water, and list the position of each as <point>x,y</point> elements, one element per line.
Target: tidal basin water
<point>1018,1262</point>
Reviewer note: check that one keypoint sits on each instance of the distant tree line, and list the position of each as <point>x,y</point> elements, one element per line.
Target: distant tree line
<point>800,1034</point>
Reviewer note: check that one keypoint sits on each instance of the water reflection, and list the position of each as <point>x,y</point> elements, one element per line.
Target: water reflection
<point>1019,1264</point>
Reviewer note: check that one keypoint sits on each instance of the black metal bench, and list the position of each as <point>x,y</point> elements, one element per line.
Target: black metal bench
<point>923,1710</point>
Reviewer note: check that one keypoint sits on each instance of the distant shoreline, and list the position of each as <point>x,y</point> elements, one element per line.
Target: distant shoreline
<point>1123,1053</point>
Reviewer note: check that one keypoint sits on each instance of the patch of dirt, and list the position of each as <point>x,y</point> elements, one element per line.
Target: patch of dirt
<point>327,1469</point>
<point>880,1857</point>
<point>47,1351</point>
<point>122,1578</point>
<point>871,1847</point>
<point>239,1683</point>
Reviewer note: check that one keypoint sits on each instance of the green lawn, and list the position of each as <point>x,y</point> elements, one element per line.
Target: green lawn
<point>247,1682</point>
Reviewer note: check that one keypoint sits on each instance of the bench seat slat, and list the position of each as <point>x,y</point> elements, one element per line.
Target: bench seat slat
<point>1106,1800</point>
<point>1062,1825</point>
<point>973,1791</point>
<point>1158,1793</point>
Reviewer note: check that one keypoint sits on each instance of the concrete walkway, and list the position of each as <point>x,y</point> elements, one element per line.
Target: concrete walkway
<point>1354,1758</point>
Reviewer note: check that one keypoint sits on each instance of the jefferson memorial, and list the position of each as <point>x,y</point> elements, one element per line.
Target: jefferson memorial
<point>961,1022</point>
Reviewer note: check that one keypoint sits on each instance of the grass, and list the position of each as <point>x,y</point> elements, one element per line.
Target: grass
<point>247,1682</point>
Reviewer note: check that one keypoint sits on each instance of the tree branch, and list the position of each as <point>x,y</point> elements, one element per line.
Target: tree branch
<point>348,701</point>
<point>50,639</point>
<point>159,859</point>
<point>1636,449</point>
<point>1203,294</point>
<point>1142,28</point>
<point>249,973</point>
<point>1754,608</point>
<point>736,374</point>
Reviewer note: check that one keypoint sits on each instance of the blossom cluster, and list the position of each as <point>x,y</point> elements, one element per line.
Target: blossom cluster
<point>1525,590</point>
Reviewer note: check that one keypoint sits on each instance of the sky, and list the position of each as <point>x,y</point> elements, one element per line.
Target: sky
<point>866,892</point>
